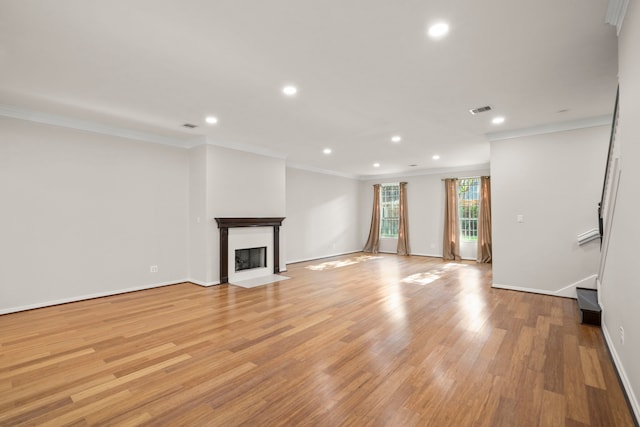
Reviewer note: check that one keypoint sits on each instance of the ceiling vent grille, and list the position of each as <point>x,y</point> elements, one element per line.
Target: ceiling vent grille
<point>189,125</point>
<point>480,110</point>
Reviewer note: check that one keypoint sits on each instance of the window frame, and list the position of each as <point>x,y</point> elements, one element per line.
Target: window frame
<point>394,208</point>
<point>468,224</point>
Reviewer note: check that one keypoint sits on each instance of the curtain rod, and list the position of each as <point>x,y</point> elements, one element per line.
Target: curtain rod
<point>467,177</point>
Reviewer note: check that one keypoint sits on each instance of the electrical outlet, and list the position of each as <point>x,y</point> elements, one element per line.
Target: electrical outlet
<point>153,269</point>
<point>622,335</point>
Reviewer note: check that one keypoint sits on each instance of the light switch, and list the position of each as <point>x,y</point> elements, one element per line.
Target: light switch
<point>520,218</point>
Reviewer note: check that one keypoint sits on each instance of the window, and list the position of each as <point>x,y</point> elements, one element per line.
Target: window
<point>468,204</point>
<point>389,210</point>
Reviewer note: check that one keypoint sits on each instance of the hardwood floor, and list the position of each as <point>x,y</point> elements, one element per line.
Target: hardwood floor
<point>353,340</point>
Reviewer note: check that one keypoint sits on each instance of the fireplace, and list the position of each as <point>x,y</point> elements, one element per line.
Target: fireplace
<point>250,258</point>
<point>227,259</point>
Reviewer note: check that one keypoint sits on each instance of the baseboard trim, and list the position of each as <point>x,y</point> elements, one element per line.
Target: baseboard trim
<point>321,257</point>
<point>380,252</point>
<point>413,254</point>
<point>622,374</point>
<point>88,296</point>
<point>427,255</point>
<point>430,255</point>
<point>201,283</point>
<point>598,287</point>
<point>566,292</point>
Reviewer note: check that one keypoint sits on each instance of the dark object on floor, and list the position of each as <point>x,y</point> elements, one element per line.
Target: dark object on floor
<point>590,311</point>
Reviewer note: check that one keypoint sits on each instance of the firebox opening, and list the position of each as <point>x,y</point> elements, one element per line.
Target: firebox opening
<point>247,259</point>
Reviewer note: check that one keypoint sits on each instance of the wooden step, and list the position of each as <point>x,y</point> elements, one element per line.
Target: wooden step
<point>590,311</point>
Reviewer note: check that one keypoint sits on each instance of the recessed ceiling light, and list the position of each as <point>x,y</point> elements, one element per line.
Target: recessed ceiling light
<point>327,151</point>
<point>289,90</point>
<point>376,165</point>
<point>435,157</point>
<point>211,120</point>
<point>396,138</point>
<point>497,120</point>
<point>438,30</point>
<point>413,166</point>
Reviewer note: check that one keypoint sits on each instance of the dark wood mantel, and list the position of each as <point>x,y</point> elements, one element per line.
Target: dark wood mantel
<point>224,224</point>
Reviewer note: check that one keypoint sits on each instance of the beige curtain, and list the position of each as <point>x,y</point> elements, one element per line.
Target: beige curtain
<point>451,240</point>
<point>373,243</point>
<point>484,221</point>
<point>403,224</point>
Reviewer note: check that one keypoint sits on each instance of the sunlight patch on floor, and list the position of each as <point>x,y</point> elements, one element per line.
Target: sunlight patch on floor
<point>450,265</point>
<point>421,278</point>
<point>427,277</point>
<point>330,265</point>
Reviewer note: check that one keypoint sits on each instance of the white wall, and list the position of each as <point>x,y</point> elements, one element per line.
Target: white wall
<point>322,215</point>
<point>554,181</point>
<point>200,256</point>
<point>620,287</point>
<point>425,203</point>
<point>86,214</point>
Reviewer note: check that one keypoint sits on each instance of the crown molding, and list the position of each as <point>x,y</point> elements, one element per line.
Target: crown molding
<point>89,126</point>
<point>308,168</point>
<point>551,128</point>
<point>247,148</point>
<point>433,171</point>
<point>616,11</point>
<point>102,129</point>
<point>419,172</point>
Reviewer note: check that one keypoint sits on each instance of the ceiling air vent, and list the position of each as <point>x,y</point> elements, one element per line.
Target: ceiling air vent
<point>480,110</point>
<point>189,125</point>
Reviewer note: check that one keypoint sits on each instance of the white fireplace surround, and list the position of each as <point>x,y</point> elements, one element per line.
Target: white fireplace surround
<point>249,237</point>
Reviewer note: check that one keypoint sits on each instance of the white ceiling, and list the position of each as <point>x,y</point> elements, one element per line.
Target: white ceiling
<point>365,70</point>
